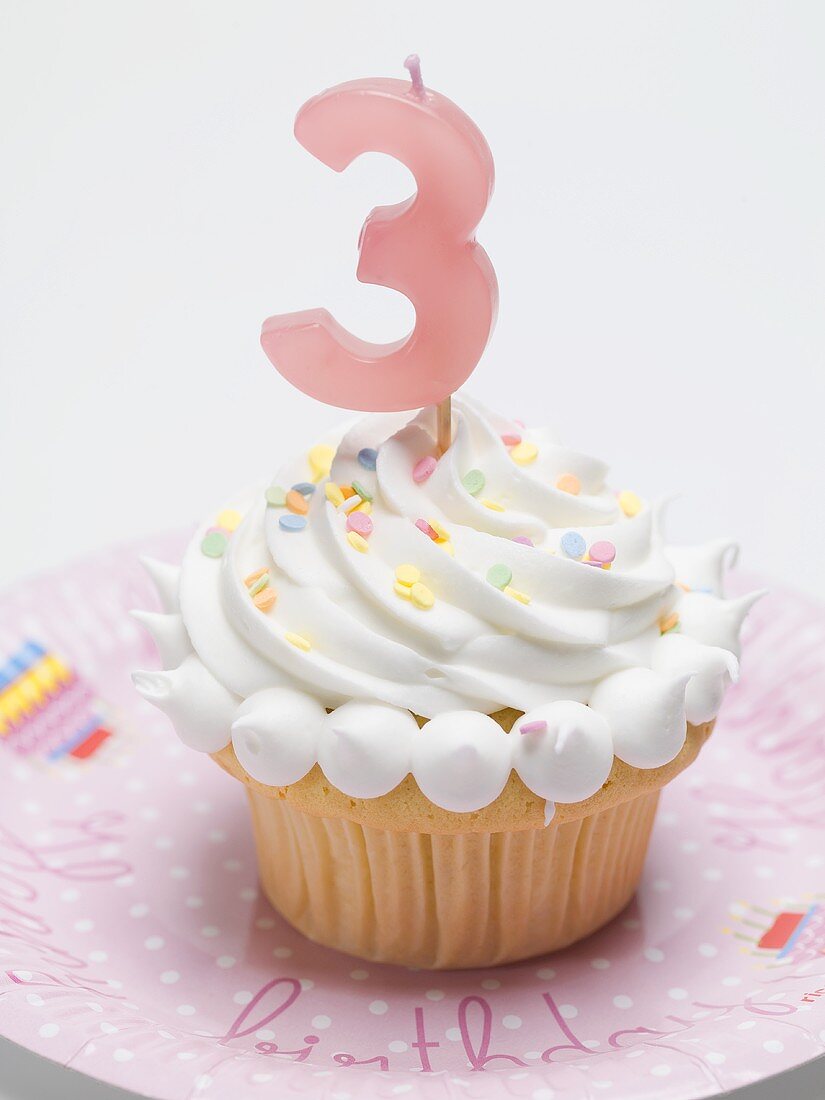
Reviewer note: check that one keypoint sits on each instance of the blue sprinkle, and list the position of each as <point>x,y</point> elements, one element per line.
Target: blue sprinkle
<point>573,545</point>
<point>304,488</point>
<point>291,522</point>
<point>368,457</point>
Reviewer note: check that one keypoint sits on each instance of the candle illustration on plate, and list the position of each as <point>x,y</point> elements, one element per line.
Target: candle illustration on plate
<point>424,248</point>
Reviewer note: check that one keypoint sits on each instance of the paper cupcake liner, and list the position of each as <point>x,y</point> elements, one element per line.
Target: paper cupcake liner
<point>449,900</point>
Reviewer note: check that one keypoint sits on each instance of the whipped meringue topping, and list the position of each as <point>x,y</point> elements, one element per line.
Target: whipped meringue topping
<point>501,614</point>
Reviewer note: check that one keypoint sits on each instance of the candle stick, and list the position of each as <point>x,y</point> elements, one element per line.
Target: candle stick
<point>424,248</point>
<point>444,424</point>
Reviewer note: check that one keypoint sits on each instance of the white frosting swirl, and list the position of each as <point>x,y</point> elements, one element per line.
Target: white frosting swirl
<point>576,646</point>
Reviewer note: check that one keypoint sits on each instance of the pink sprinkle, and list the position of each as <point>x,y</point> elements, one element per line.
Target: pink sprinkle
<point>533,727</point>
<point>422,525</point>
<point>424,468</point>
<point>511,439</point>
<point>361,523</point>
<point>602,552</point>
<point>523,539</point>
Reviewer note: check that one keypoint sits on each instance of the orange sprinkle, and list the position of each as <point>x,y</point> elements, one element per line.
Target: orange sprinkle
<point>265,599</point>
<point>250,580</point>
<point>297,503</point>
<point>668,622</point>
<point>347,490</point>
<point>569,483</point>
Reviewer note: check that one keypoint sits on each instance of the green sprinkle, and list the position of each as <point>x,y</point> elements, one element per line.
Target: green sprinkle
<point>259,585</point>
<point>499,575</point>
<point>276,496</point>
<point>474,481</point>
<point>361,491</point>
<point>214,543</point>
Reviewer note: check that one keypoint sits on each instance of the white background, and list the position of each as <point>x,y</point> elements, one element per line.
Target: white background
<point>657,229</point>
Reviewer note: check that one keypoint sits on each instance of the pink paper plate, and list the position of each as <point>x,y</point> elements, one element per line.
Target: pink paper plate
<point>135,946</point>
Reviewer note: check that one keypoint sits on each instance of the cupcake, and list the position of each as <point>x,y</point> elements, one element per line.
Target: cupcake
<point>452,687</point>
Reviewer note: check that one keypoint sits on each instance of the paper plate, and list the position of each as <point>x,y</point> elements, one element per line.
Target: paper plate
<point>136,947</point>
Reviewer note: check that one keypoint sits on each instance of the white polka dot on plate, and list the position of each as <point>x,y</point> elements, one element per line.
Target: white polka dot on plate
<point>242,997</point>
<point>186,1010</point>
<point>661,1070</point>
<point>225,961</point>
<point>773,1046</point>
<point>169,977</point>
<point>123,1055</point>
<point>434,995</point>
<point>512,1023</point>
<point>378,1008</point>
<point>569,1012</point>
<point>48,1031</point>
<point>654,954</point>
<point>491,983</point>
<point>154,943</point>
<point>600,964</point>
<point>397,1046</point>
<point>546,973</point>
<point>623,1001</point>
<point>321,1022</point>
<point>677,994</point>
<point>282,952</point>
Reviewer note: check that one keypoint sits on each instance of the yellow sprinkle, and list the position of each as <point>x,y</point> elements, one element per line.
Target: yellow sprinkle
<point>357,542</point>
<point>448,546</point>
<point>442,532</point>
<point>402,590</point>
<point>299,641</point>
<point>365,506</point>
<point>514,592</point>
<point>228,519</point>
<point>629,503</point>
<point>334,494</point>
<point>493,505</point>
<point>320,460</point>
<point>524,453</point>
<point>421,596</point>
<point>407,574</point>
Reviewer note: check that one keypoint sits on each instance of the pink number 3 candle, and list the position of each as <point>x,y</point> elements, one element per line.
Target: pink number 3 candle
<point>424,247</point>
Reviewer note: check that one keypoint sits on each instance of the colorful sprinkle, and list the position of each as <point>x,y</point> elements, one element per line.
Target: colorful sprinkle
<point>365,507</point>
<point>276,496</point>
<point>357,542</point>
<point>259,585</point>
<point>347,491</point>
<point>290,522</point>
<point>304,488</point>
<point>421,596</point>
<point>214,544</point>
<point>533,727</point>
<point>569,483</point>
<point>250,580</point>
<point>493,505</point>
<point>511,439</point>
<point>474,481</point>
<point>573,545</point>
<point>296,503</point>
<point>523,539</point>
<point>360,523</point>
<point>299,641</point>
<point>407,574</point>
<point>603,552</point>
<point>266,599</point>
<point>430,532</point>
<point>629,503</point>
<point>423,469</point>
<point>368,457</point>
<point>668,622</point>
<point>351,503</point>
<point>524,453</point>
<point>229,519</point>
<point>358,488</point>
<point>499,576</point>
<point>334,494</point>
<point>320,460</point>
<point>522,597</point>
<point>442,533</point>
<point>402,590</point>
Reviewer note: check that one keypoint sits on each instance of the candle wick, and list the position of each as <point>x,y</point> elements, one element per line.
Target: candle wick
<point>413,65</point>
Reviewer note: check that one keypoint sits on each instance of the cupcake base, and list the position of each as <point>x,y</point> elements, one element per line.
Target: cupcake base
<point>396,879</point>
<point>449,900</point>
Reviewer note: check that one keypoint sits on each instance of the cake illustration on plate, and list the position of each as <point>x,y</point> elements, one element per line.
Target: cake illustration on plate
<point>452,667</point>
